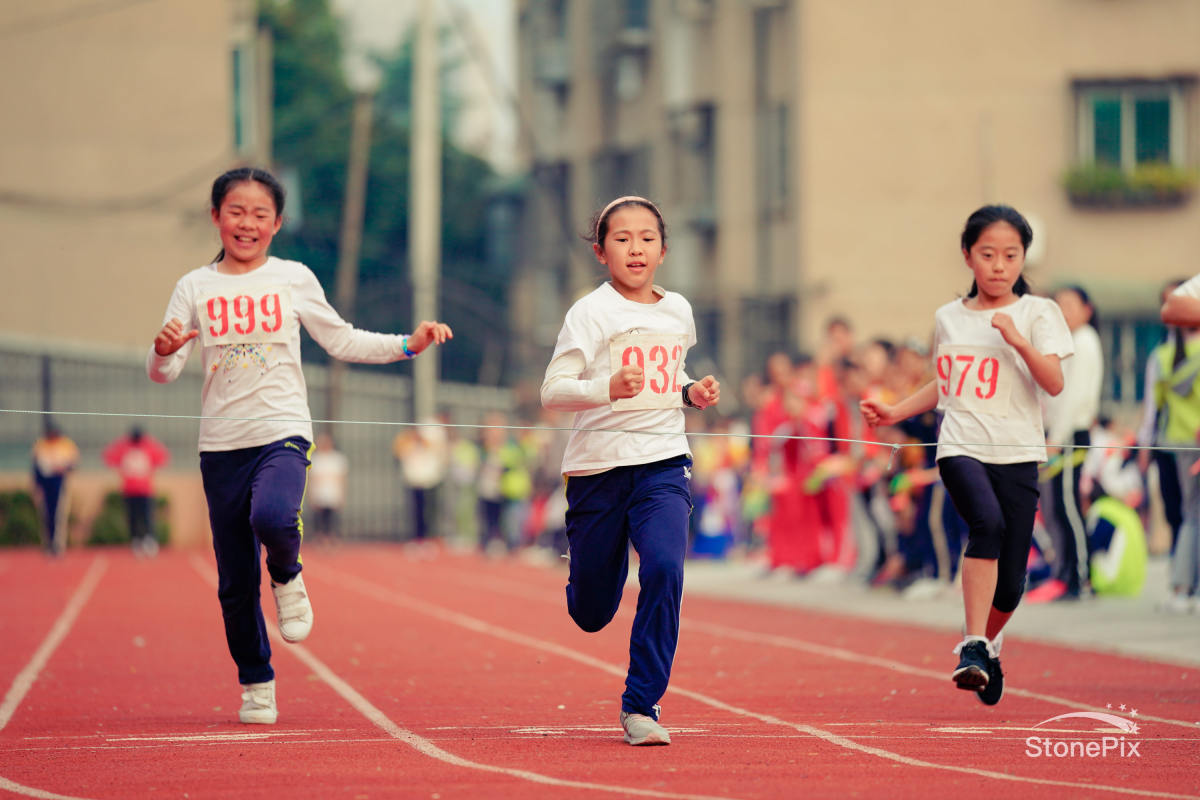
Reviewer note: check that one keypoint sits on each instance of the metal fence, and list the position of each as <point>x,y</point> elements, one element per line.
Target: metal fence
<point>91,393</point>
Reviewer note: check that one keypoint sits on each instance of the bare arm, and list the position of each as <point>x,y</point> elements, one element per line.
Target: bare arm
<point>1045,368</point>
<point>877,412</point>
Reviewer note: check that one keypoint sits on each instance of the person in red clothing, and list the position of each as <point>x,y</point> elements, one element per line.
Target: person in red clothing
<point>136,457</point>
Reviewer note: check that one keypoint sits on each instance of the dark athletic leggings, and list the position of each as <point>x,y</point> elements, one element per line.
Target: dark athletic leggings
<point>998,503</point>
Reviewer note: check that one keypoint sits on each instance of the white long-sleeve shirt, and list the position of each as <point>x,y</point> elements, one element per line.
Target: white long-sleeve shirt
<point>254,391</point>
<point>579,371</point>
<point>1077,406</point>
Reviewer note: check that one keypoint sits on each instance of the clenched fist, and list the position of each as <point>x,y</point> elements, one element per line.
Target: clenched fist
<point>172,337</point>
<point>705,392</point>
<point>626,382</point>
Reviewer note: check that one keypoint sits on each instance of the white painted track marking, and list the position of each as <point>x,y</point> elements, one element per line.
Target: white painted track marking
<point>514,589</point>
<point>363,586</point>
<point>58,631</point>
<point>420,743</point>
<point>28,676</point>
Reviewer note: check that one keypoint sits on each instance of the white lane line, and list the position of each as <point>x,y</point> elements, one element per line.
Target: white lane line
<point>365,587</point>
<point>842,654</point>
<point>420,743</point>
<point>28,676</point>
<point>62,626</point>
<point>511,588</point>
<point>29,791</point>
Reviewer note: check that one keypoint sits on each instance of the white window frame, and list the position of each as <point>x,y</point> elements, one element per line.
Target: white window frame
<point>1129,92</point>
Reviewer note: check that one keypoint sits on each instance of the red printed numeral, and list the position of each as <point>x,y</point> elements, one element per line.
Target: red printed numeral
<point>241,313</point>
<point>986,375</point>
<point>665,366</point>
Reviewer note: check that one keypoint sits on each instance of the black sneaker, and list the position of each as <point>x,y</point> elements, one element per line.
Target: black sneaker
<point>973,666</point>
<point>989,695</point>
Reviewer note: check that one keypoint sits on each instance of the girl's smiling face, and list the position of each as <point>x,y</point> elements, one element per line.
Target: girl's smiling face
<point>996,258</point>
<point>247,222</point>
<point>632,250</point>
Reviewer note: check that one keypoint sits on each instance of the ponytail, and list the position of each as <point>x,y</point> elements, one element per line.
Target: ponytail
<point>1180,354</point>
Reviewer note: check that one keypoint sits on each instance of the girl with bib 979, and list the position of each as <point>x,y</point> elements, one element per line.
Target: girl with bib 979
<point>995,352</point>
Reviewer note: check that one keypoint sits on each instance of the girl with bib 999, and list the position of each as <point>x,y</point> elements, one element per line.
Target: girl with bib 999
<point>995,352</point>
<point>245,309</point>
<point>619,363</point>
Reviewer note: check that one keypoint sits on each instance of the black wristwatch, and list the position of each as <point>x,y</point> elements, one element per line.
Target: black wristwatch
<point>687,401</point>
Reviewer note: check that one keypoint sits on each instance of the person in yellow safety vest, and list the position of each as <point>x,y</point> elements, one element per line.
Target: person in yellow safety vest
<point>1179,394</point>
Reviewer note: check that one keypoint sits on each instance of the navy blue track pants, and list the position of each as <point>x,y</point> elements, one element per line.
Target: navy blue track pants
<point>255,496</point>
<point>647,505</point>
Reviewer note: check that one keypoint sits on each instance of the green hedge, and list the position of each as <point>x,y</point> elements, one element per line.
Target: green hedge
<point>19,524</point>
<point>112,524</point>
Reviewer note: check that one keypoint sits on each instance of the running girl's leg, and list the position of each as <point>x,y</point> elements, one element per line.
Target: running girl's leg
<point>227,476</point>
<point>1016,488</point>
<point>598,545</point>
<point>969,486</point>
<point>276,498</point>
<point>658,527</point>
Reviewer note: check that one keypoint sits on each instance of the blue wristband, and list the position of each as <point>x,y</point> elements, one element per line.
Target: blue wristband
<point>407,352</point>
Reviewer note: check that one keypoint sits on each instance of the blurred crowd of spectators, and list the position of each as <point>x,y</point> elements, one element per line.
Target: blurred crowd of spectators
<point>796,481</point>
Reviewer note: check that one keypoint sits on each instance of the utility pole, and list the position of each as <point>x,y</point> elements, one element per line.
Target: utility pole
<point>350,246</point>
<point>425,202</point>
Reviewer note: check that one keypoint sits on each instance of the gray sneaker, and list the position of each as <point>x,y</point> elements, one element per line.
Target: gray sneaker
<point>640,729</point>
<point>258,704</point>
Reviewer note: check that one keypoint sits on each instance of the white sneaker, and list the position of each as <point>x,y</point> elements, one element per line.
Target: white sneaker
<point>640,729</point>
<point>258,704</point>
<point>1178,603</point>
<point>294,611</point>
<point>923,589</point>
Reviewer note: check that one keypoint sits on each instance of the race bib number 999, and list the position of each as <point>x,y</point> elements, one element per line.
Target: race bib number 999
<point>976,379</point>
<point>248,317</point>
<point>660,356</point>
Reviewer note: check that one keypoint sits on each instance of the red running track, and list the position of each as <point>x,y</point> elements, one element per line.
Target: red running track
<point>457,677</point>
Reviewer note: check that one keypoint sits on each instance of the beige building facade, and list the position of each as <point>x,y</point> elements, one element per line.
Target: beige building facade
<point>117,117</point>
<point>818,157</point>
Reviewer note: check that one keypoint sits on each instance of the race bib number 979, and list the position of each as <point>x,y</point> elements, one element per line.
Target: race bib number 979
<point>976,379</point>
<point>248,317</point>
<point>660,356</point>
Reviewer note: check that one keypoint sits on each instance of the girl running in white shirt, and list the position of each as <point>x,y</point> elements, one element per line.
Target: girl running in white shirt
<point>995,351</point>
<point>619,365</point>
<point>246,309</point>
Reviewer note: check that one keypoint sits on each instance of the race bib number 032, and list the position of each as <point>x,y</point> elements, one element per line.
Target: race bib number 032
<point>247,317</point>
<point>660,355</point>
<point>975,379</point>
